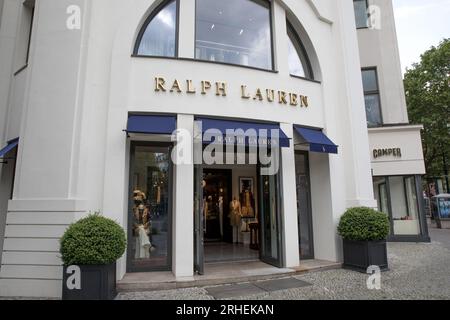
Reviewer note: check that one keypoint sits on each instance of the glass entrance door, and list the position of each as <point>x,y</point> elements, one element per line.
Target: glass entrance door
<point>305,228</point>
<point>270,246</point>
<point>150,210</point>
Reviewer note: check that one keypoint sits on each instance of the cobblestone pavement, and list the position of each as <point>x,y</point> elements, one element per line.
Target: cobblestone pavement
<point>417,271</point>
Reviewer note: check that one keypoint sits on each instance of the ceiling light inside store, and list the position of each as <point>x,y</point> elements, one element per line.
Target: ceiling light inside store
<point>242,31</point>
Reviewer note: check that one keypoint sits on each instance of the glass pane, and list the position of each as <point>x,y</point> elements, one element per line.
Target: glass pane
<point>159,37</point>
<point>270,212</point>
<point>234,31</point>
<point>150,208</point>
<point>361,15</point>
<point>373,112</point>
<point>303,207</point>
<point>402,196</point>
<point>369,78</point>
<point>295,64</point>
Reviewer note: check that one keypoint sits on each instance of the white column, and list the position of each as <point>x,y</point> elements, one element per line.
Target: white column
<point>183,219</point>
<point>280,39</point>
<point>289,202</point>
<point>186,29</point>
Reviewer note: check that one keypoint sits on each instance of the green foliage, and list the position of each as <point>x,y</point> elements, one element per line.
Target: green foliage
<point>94,240</point>
<point>427,87</point>
<point>363,224</point>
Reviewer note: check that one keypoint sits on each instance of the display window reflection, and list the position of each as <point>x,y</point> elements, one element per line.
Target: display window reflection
<point>235,32</point>
<point>150,209</point>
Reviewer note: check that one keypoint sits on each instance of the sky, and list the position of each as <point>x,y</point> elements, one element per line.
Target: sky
<point>420,25</point>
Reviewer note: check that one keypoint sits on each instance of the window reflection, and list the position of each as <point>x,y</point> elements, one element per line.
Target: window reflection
<point>234,31</point>
<point>297,58</point>
<point>159,36</point>
<point>149,246</point>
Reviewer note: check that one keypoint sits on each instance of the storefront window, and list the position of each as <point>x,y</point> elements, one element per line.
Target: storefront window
<point>159,36</point>
<point>270,217</point>
<point>397,196</point>
<point>234,31</point>
<point>149,222</point>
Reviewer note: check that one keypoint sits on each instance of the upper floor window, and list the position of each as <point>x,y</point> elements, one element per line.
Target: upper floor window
<point>235,32</point>
<point>361,13</point>
<point>372,97</point>
<point>299,64</point>
<point>158,37</point>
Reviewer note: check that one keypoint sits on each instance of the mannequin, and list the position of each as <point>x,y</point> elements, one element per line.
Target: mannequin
<point>142,232</point>
<point>235,218</point>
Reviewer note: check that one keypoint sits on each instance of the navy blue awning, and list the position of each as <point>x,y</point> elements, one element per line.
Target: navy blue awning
<point>255,133</point>
<point>11,145</point>
<point>317,140</point>
<point>151,124</point>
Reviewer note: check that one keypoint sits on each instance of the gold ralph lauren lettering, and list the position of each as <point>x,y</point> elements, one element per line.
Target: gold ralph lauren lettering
<point>221,89</point>
<point>244,93</point>
<point>176,86</point>
<point>206,85</point>
<point>159,84</point>
<point>282,97</point>
<point>190,87</point>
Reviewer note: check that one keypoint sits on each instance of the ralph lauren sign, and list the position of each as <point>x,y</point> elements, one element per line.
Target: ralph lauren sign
<point>220,89</point>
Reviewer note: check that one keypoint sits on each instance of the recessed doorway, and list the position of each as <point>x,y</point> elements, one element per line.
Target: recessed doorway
<point>228,209</point>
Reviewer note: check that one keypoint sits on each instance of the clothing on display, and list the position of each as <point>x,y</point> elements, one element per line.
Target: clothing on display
<point>248,204</point>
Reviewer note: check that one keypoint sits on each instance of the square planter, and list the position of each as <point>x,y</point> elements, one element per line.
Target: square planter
<point>97,282</point>
<point>359,255</point>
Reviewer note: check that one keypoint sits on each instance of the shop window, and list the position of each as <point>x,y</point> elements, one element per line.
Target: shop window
<point>235,32</point>
<point>149,236</point>
<point>299,64</point>
<point>397,196</point>
<point>361,13</point>
<point>372,97</point>
<point>158,36</point>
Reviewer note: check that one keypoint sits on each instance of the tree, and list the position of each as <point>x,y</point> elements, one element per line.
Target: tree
<point>427,87</point>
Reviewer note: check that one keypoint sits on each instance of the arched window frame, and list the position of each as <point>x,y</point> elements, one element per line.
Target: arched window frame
<point>149,19</point>
<point>295,38</point>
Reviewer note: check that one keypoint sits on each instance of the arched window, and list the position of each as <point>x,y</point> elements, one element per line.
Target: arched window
<point>299,64</point>
<point>235,32</point>
<point>158,36</point>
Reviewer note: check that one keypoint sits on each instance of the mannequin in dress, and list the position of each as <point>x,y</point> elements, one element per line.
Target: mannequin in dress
<point>235,218</point>
<point>142,231</point>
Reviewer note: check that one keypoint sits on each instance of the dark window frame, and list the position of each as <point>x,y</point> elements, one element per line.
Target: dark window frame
<point>372,93</point>
<point>265,3</point>
<point>149,19</point>
<point>367,14</point>
<point>309,73</point>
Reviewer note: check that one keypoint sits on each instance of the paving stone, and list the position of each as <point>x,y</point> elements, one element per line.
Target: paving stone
<point>234,290</point>
<point>281,284</point>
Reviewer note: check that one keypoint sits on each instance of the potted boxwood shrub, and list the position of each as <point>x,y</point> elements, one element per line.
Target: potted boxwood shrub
<point>89,250</point>
<point>364,232</point>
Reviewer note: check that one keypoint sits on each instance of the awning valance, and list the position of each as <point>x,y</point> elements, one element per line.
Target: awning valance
<point>317,140</point>
<point>255,133</point>
<point>151,124</point>
<point>11,145</point>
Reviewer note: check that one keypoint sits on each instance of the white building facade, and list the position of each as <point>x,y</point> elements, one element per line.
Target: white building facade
<point>92,90</point>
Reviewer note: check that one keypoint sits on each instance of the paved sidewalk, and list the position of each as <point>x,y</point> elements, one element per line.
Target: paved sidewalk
<point>417,271</point>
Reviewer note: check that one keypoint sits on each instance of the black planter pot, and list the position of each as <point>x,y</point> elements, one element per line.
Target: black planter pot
<point>359,255</point>
<point>97,282</point>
